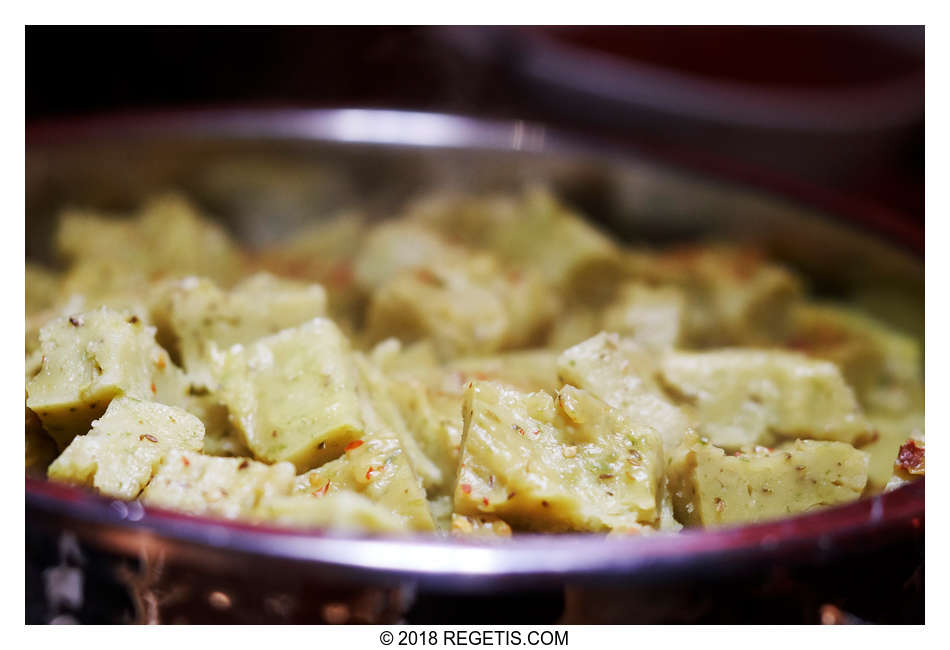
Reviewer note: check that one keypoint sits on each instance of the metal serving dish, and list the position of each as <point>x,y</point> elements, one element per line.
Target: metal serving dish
<point>266,173</point>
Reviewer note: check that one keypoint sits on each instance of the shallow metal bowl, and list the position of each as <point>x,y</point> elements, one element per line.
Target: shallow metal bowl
<point>265,173</point>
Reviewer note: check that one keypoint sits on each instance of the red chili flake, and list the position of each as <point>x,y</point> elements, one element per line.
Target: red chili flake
<point>911,457</point>
<point>154,390</point>
<point>353,445</point>
<point>518,429</point>
<point>466,488</point>
<point>340,275</point>
<point>604,477</point>
<point>537,432</point>
<point>469,384</point>
<point>426,276</point>
<point>322,491</point>
<point>244,464</point>
<point>185,461</point>
<point>149,437</point>
<point>373,469</point>
<point>485,500</point>
<point>160,363</point>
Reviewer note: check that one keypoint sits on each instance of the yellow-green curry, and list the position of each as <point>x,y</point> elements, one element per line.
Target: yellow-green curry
<point>477,364</point>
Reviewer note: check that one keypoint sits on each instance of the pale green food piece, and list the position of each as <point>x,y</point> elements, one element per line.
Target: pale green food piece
<point>341,511</point>
<point>622,372</point>
<point>89,359</point>
<point>883,365</point>
<point>293,395</point>
<point>386,464</point>
<point>468,305</point>
<point>396,359</point>
<point>209,485</point>
<point>434,420</point>
<point>378,468</point>
<point>106,281</point>
<point>570,463</point>
<point>382,413</point>
<point>734,295</point>
<point>652,316</point>
<point>710,488</point>
<point>531,231</point>
<point>195,318</point>
<point>754,397</point>
<point>125,446</point>
<point>395,246</point>
<point>167,237</point>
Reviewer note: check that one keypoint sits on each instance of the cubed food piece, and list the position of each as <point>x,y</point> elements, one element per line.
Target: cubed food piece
<point>883,365</point>
<point>734,296</point>
<point>85,235</point>
<point>381,414</point>
<point>652,316</point>
<point>109,281</point>
<point>340,511</point>
<point>88,359</point>
<point>570,463</point>
<point>531,231</point>
<point>379,469</point>
<point>126,445</point>
<point>480,526</point>
<point>293,395</point>
<point>467,306</point>
<point>209,485</point>
<point>168,237</point>
<point>396,246</point>
<point>386,464</point>
<point>195,318</point>
<point>710,488</point>
<point>752,397</point>
<point>434,419</point>
<point>621,372</point>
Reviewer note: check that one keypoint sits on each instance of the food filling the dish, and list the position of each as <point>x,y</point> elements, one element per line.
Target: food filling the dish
<point>477,365</point>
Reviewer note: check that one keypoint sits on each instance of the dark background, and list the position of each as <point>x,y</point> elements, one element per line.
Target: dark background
<point>485,71</point>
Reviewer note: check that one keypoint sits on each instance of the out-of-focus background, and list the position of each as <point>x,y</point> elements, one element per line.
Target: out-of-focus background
<point>840,109</point>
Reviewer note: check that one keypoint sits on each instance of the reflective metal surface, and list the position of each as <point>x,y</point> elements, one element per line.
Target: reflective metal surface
<point>266,173</point>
